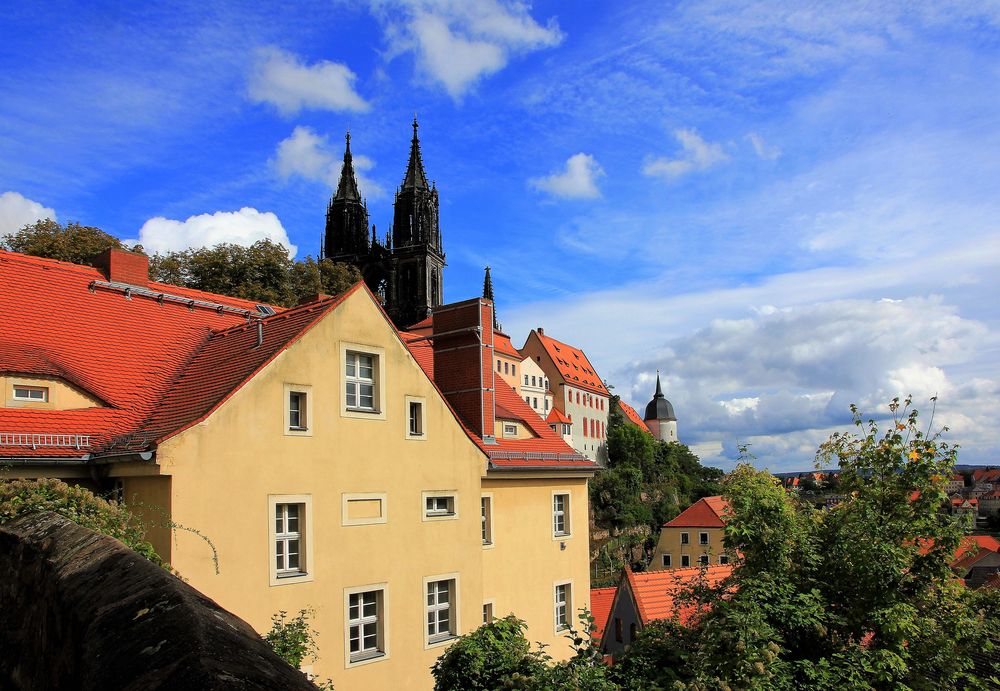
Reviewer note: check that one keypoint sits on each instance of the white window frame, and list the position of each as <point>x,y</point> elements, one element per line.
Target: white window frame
<point>382,619</point>
<point>563,607</point>
<point>378,373</point>
<point>30,388</point>
<point>685,538</point>
<point>685,558</point>
<point>703,538</point>
<point>509,430</point>
<point>408,401</point>
<point>566,514</point>
<point>347,497</point>
<point>439,516</point>
<point>486,521</point>
<point>306,390</point>
<point>666,561</point>
<point>307,571</point>
<point>454,610</point>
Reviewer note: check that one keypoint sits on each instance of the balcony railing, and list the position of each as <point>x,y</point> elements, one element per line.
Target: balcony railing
<point>35,441</point>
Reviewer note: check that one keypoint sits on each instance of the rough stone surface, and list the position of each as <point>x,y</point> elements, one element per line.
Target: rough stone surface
<point>80,610</point>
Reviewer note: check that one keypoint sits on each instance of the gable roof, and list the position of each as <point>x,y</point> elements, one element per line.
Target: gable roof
<point>707,512</point>
<point>985,475</point>
<point>601,600</point>
<point>973,547</point>
<point>655,592</point>
<point>632,416</point>
<point>159,361</point>
<point>546,450</point>
<point>572,364</point>
<point>502,345</point>
<point>557,416</point>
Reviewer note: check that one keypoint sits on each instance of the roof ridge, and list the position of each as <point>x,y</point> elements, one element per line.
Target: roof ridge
<point>8,255</point>
<point>277,316</point>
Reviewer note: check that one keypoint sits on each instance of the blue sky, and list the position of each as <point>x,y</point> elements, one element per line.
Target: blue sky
<point>784,208</point>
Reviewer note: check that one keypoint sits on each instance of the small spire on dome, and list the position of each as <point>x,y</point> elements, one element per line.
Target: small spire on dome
<point>659,390</point>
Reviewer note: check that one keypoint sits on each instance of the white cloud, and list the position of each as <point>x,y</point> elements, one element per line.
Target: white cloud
<point>457,42</point>
<point>279,78</point>
<point>17,211</point>
<point>762,149</point>
<point>577,181</point>
<point>696,155</point>
<point>243,227</point>
<point>311,156</point>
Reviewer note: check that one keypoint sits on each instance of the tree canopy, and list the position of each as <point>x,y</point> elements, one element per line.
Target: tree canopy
<point>261,272</point>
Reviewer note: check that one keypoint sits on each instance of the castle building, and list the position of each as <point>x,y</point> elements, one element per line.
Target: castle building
<point>660,418</point>
<point>405,268</point>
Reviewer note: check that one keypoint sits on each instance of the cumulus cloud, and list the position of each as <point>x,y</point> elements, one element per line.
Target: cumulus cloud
<point>17,211</point>
<point>578,180</point>
<point>458,42</point>
<point>311,156</point>
<point>784,378</point>
<point>696,155</point>
<point>762,149</point>
<point>279,78</point>
<point>243,227</point>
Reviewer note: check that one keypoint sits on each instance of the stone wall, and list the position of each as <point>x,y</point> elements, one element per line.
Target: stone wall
<point>80,610</point>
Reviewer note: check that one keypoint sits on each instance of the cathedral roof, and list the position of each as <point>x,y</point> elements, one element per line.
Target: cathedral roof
<point>347,188</point>
<point>415,177</point>
<point>659,408</point>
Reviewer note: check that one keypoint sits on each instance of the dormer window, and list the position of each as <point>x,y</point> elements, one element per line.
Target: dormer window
<point>35,394</point>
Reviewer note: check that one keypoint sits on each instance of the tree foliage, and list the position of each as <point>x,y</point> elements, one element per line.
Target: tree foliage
<point>293,639</point>
<point>856,596</point>
<point>78,504</point>
<point>262,272</point>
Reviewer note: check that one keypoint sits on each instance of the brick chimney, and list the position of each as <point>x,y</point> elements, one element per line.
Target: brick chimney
<point>463,361</point>
<point>122,266</point>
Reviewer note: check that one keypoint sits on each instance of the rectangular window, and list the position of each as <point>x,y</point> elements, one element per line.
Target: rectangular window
<point>440,619</point>
<point>666,561</point>
<point>723,558</point>
<point>36,394</point>
<point>509,430</point>
<point>440,506</point>
<point>585,427</point>
<point>546,405</point>
<point>360,381</point>
<point>703,560</point>
<point>365,632</point>
<point>416,413</point>
<point>534,403</point>
<point>560,515</point>
<point>533,380</point>
<point>498,365</point>
<point>618,630</point>
<point>685,538</point>
<point>288,521</point>
<point>685,560</point>
<point>297,410</point>
<point>513,370</point>
<point>526,380</point>
<point>563,606</point>
<point>702,538</point>
<point>487,612</point>
<point>506,368</point>
<point>486,510</point>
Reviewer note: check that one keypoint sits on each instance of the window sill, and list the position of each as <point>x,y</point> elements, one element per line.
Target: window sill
<point>278,579</point>
<point>371,656</point>
<point>440,639</point>
<point>561,536</point>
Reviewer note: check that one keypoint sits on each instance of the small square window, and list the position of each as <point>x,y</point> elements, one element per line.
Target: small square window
<point>685,538</point>
<point>685,560</point>
<point>509,430</point>
<point>35,394</point>
<point>563,605</point>
<point>702,538</point>
<point>440,506</point>
<point>560,515</point>
<point>666,561</point>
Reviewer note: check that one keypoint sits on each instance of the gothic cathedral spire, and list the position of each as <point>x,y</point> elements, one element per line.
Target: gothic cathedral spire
<point>346,237</point>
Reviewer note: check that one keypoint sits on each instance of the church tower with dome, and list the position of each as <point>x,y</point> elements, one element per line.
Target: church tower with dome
<point>659,418</point>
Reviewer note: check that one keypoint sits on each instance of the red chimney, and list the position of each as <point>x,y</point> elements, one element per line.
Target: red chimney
<point>463,361</point>
<point>122,266</point>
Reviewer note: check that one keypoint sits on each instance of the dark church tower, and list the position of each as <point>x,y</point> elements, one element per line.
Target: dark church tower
<point>346,238</point>
<point>418,258</point>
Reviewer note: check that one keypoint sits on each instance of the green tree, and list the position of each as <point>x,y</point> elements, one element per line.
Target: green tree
<point>856,596</point>
<point>294,639</point>
<point>73,242</point>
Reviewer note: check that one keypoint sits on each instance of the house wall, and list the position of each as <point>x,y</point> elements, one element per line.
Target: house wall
<point>508,368</point>
<point>535,395</point>
<point>624,616</point>
<point>523,546</point>
<point>223,470</point>
<point>670,543</point>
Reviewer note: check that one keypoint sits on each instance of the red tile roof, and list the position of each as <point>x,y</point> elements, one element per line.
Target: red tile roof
<point>546,450</point>
<point>502,345</point>
<point>973,545</point>
<point>986,475</point>
<point>656,592</point>
<point>573,365</point>
<point>632,416</point>
<point>158,365</point>
<point>601,600</point>
<point>556,415</point>
<point>707,512</point>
